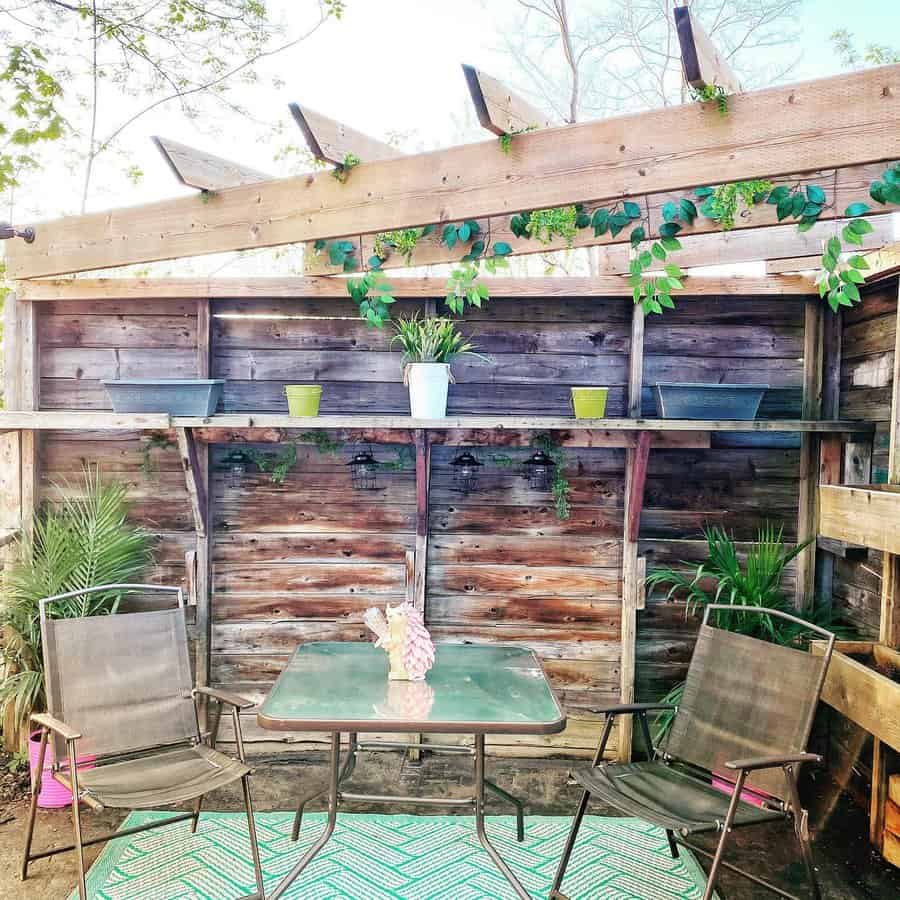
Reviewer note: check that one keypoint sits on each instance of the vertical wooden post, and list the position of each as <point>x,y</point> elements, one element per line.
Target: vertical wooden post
<point>10,468</point>
<point>889,622</point>
<point>201,470</point>
<point>830,467</point>
<point>632,568</point>
<point>423,478</point>
<point>809,445</point>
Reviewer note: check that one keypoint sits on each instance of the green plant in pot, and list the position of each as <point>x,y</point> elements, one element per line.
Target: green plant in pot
<point>81,540</point>
<point>429,345</point>
<point>756,580</point>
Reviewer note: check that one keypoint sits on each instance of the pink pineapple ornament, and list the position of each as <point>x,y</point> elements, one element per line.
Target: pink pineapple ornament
<point>405,638</point>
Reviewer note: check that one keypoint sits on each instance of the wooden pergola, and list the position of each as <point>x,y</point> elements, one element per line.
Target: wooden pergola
<point>837,131</point>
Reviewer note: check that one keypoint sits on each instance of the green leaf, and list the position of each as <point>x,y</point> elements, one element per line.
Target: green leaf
<point>851,237</point>
<point>375,262</point>
<point>688,210</point>
<point>636,293</point>
<point>658,250</point>
<point>852,291</point>
<point>632,210</point>
<point>464,232</point>
<point>856,276</point>
<point>618,221</point>
<point>798,201</point>
<point>666,301</point>
<point>805,224</point>
<point>784,208</point>
<point>637,235</point>
<point>674,271</point>
<point>428,229</point>
<point>815,194</point>
<point>823,288</point>
<point>829,262</point>
<point>600,221</point>
<point>834,247</point>
<point>857,209</point>
<point>702,192</point>
<point>582,220</point>
<point>319,245</point>
<point>669,212</point>
<point>858,262</point>
<point>778,194</point>
<point>670,243</point>
<point>833,302</point>
<point>861,226</point>
<point>645,259</point>
<point>676,284</point>
<point>669,229</point>
<point>876,192</point>
<point>812,210</point>
<point>474,227</point>
<point>501,248</point>
<point>662,285</point>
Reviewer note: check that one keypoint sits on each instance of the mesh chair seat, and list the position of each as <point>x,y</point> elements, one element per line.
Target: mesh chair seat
<point>160,779</point>
<point>666,796</point>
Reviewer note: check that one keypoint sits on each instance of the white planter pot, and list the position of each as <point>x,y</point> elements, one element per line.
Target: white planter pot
<point>428,383</point>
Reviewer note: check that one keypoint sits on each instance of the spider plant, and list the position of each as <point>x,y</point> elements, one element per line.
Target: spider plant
<point>756,581</point>
<point>80,541</point>
<point>430,340</point>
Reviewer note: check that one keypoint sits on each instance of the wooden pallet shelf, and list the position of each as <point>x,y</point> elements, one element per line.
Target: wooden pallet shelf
<point>861,514</point>
<point>106,421</point>
<point>862,693</point>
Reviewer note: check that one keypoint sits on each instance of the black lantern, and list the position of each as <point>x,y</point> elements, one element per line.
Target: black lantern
<point>539,469</point>
<point>363,470</point>
<point>465,472</point>
<point>235,466</point>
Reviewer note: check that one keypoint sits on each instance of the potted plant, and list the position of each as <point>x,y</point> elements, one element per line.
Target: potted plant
<point>80,541</point>
<point>429,345</point>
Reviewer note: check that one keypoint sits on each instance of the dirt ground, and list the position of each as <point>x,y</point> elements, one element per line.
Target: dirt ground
<point>848,868</point>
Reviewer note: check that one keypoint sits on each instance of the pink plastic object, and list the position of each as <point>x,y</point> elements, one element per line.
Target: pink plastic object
<point>53,795</point>
<point>748,794</point>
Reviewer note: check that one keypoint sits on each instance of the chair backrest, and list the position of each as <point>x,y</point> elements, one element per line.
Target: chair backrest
<point>122,680</point>
<point>746,697</point>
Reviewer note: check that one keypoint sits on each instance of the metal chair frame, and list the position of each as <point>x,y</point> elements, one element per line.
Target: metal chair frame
<point>790,764</point>
<point>68,775</point>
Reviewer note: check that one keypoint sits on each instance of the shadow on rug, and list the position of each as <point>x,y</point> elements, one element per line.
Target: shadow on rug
<point>389,857</point>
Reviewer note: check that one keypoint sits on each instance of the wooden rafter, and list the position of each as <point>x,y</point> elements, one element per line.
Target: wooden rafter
<point>848,120</point>
<point>205,171</point>
<point>703,64</point>
<point>403,288</point>
<point>849,184</point>
<point>331,141</point>
<point>194,479</point>
<point>501,110</point>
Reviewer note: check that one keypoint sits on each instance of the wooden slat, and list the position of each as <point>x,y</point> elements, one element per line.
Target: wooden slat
<point>847,120</point>
<point>332,141</point>
<point>10,471</point>
<point>702,63</point>
<point>120,289</point>
<point>205,171</point>
<point>423,477</point>
<point>757,223</point>
<point>194,479</point>
<point>499,109</point>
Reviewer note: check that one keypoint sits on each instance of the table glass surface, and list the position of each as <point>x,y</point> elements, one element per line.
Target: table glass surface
<point>333,686</point>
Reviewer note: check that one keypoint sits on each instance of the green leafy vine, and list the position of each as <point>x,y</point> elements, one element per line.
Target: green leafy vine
<point>342,170</point>
<point>560,488</point>
<point>506,139</point>
<point>155,441</point>
<point>712,92</point>
<point>372,294</point>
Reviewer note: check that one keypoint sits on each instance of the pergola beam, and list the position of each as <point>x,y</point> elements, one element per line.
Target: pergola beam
<point>757,235</point>
<point>848,120</point>
<point>119,289</point>
<point>331,141</point>
<point>205,171</point>
<point>500,110</point>
<point>702,63</point>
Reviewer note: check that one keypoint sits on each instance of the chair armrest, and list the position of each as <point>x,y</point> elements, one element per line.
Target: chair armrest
<point>224,697</point>
<point>60,728</point>
<point>751,764</point>
<point>626,708</point>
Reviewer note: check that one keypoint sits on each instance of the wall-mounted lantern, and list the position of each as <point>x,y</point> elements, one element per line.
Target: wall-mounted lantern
<point>465,472</point>
<point>235,466</point>
<point>539,469</point>
<point>363,471</point>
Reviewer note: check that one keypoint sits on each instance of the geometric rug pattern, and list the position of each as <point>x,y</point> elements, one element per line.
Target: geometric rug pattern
<point>374,857</point>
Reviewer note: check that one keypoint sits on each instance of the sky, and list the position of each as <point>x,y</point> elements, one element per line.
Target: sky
<point>386,67</point>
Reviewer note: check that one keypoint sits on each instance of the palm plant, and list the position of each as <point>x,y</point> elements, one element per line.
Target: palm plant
<point>430,340</point>
<point>81,541</point>
<point>757,582</point>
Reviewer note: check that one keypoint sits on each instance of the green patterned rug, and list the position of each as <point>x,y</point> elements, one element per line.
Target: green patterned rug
<point>390,857</point>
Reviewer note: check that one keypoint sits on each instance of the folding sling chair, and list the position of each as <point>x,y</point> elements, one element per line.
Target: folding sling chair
<point>746,712</point>
<point>119,688</point>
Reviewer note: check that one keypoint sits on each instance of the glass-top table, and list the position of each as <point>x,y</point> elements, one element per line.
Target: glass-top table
<point>471,689</point>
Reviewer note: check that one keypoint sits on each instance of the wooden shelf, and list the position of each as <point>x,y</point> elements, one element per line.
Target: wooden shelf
<point>106,421</point>
<point>864,514</point>
<point>860,692</point>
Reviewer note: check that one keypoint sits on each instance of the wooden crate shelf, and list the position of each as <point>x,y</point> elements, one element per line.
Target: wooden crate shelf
<point>861,514</point>
<point>860,692</point>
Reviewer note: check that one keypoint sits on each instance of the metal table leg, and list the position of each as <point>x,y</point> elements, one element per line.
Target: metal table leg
<point>334,779</point>
<point>346,772</point>
<point>479,822</point>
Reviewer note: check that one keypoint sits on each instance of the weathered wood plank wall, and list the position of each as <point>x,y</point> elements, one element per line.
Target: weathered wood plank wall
<point>867,372</point>
<point>303,559</point>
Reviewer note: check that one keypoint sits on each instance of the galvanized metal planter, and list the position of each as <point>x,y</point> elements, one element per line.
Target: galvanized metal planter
<point>175,396</point>
<point>708,401</point>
